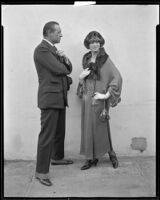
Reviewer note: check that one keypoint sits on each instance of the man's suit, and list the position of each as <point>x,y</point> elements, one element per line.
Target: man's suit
<point>52,73</point>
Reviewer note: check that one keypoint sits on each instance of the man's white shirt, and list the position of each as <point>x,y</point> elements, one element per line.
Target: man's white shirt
<point>48,42</point>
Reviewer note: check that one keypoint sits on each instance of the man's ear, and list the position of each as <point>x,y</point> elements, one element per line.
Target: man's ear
<point>48,32</point>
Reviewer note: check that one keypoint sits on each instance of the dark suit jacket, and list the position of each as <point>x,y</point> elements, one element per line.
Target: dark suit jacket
<point>52,75</point>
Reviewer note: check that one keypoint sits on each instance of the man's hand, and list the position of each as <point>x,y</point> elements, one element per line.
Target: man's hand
<point>101,96</point>
<point>84,73</point>
<point>62,54</point>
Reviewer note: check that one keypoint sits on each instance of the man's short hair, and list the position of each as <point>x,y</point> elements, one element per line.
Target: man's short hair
<point>93,36</point>
<point>49,27</point>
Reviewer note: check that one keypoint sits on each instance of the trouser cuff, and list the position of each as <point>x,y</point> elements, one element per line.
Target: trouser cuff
<point>56,158</point>
<point>42,176</point>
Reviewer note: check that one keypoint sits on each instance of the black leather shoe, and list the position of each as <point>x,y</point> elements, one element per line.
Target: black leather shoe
<point>95,161</point>
<point>87,165</point>
<point>46,182</point>
<point>61,162</point>
<point>114,161</point>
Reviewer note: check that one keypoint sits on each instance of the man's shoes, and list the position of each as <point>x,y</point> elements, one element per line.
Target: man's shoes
<point>61,162</point>
<point>46,181</point>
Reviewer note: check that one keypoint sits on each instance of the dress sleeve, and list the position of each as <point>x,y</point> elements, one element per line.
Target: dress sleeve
<point>115,84</point>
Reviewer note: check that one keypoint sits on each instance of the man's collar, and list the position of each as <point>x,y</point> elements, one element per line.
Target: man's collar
<point>48,42</point>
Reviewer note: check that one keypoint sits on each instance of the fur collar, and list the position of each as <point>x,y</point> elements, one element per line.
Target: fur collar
<point>94,67</point>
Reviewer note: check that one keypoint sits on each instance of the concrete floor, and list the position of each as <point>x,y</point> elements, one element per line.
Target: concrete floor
<point>135,177</point>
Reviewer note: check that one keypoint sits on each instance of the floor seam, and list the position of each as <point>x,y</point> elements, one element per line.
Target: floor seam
<point>29,186</point>
<point>143,176</point>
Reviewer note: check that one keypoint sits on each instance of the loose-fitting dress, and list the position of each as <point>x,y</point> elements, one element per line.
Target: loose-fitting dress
<point>95,134</point>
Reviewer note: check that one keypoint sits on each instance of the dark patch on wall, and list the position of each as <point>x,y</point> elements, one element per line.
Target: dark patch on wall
<point>139,143</point>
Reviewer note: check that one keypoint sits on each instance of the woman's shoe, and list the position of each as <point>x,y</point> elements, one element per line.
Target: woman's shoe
<point>114,161</point>
<point>95,161</point>
<point>87,165</point>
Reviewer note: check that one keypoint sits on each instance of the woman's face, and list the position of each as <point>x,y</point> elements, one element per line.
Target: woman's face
<point>94,46</point>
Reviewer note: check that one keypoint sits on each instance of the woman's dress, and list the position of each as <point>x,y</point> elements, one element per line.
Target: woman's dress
<point>95,134</point>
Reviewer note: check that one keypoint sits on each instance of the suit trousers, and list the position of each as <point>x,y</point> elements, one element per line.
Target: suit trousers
<point>51,138</point>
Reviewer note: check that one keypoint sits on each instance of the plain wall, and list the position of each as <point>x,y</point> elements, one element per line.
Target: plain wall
<point>130,35</point>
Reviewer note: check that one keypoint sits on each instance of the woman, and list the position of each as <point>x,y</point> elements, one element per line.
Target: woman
<point>99,86</point>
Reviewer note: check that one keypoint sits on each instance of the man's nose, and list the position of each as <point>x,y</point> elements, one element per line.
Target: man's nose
<point>61,35</point>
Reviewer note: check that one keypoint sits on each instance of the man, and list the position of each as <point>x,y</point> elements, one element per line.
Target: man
<point>52,67</point>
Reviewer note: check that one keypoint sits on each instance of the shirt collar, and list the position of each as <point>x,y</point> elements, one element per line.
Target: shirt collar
<point>48,42</point>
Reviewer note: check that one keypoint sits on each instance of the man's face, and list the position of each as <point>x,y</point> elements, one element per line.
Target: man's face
<point>55,36</point>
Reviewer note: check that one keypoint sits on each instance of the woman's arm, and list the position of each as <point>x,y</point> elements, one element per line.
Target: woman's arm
<point>102,96</point>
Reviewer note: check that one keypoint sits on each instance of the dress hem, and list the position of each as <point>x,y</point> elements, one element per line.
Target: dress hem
<point>95,156</point>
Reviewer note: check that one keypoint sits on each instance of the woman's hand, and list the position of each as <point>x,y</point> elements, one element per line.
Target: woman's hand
<point>101,96</point>
<point>84,73</point>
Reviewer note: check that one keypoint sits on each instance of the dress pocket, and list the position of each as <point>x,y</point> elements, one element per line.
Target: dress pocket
<point>94,101</point>
<point>98,106</point>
